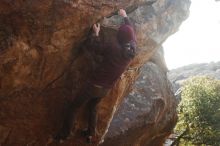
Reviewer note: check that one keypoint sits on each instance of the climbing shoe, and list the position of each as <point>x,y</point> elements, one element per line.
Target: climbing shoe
<point>85,133</point>
<point>61,136</point>
<point>91,139</point>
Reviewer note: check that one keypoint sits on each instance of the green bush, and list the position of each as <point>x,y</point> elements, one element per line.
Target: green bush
<point>199,111</point>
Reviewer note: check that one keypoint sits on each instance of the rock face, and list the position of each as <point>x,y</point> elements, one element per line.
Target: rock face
<point>44,63</point>
<point>145,111</point>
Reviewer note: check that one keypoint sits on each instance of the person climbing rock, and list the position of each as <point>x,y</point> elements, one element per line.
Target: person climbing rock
<point>116,57</point>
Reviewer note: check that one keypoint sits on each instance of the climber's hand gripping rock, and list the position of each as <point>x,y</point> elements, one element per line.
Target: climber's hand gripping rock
<point>96,29</point>
<point>122,13</point>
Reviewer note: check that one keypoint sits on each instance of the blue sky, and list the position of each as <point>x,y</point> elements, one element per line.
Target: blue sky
<point>198,38</point>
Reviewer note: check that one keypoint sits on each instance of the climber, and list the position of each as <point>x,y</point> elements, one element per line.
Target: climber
<point>116,57</point>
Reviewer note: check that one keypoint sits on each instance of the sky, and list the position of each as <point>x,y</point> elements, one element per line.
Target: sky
<point>198,38</point>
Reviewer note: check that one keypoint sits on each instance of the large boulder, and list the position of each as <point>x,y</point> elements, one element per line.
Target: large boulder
<point>44,62</point>
<point>148,114</point>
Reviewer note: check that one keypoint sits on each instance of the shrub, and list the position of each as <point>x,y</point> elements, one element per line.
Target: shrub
<point>199,111</point>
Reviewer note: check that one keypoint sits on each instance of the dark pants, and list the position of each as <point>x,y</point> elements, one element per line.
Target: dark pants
<point>93,95</point>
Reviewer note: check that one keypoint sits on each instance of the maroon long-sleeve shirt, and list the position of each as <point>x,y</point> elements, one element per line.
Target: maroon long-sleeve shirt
<point>113,64</point>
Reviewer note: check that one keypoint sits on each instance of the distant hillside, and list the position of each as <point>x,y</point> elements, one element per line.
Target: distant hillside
<point>177,76</point>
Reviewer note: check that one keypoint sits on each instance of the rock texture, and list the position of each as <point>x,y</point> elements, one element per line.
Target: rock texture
<point>44,63</point>
<point>145,111</point>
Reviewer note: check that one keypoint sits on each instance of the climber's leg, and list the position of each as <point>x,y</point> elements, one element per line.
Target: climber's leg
<point>70,109</point>
<point>90,132</point>
<point>99,93</point>
<point>92,105</point>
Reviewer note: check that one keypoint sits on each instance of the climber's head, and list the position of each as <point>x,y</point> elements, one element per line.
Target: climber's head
<point>125,34</point>
<point>127,40</point>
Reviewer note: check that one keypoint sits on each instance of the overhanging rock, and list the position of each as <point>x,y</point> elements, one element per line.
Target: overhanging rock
<point>43,62</point>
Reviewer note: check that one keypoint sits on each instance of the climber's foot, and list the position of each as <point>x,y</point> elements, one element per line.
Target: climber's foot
<point>91,139</point>
<point>85,133</point>
<point>61,136</point>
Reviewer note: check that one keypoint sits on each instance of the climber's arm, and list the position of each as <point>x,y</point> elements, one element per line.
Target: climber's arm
<point>95,42</point>
<point>123,13</point>
<point>127,21</point>
<point>95,36</point>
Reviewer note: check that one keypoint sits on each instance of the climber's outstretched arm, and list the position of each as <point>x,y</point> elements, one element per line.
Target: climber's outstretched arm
<point>123,13</point>
<point>95,43</point>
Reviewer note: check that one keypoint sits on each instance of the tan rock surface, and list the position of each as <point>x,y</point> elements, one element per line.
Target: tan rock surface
<point>43,61</point>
